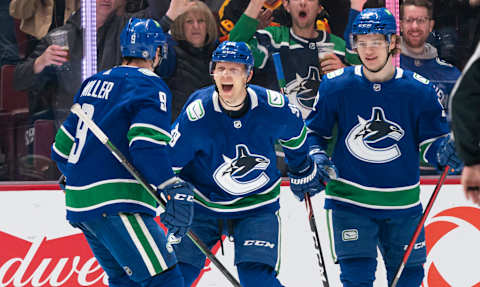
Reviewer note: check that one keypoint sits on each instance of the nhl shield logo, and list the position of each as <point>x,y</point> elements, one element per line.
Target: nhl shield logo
<point>242,174</point>
<point>367,132</point>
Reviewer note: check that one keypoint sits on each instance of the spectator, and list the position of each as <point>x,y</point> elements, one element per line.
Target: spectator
<point>38,17</point>
<point>195,36</point>
<point>416,54</point>
<point>8,42</point>
<point>40,69</point>
<point>465,107</point>
<point>272,14</point>
<point>297,46</point>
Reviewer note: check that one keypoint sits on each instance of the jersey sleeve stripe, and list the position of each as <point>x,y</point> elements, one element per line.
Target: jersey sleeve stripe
<point>159,142</point>
<point>295,142</point>
<point>148,133</point>
<point>424,146</point>
<point>63,143</point>
<point>59,152</point>
<point>67,133</point>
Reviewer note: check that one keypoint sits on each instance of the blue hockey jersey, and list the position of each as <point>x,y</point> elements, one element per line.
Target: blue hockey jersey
<point>132,106</point>
<point>231,161</point>
<point>440,73</point>
<point>383,129</point>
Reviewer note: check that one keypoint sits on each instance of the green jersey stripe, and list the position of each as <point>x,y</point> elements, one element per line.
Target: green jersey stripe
<point>143,132</point>
<point>241,204</point>
<point>78,197</point>
<point>295,142</point>
<point>63,142</point>
<point>374,198</point>
<point>144,242</point>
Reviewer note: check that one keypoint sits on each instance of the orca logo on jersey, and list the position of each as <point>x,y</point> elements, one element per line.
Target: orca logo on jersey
<point>303,90</point>
<point>367,132</point>
<point>229,174</point>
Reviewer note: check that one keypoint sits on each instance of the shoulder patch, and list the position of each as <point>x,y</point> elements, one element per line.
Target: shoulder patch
<point>335,73</point>
<point>195,110</point>
<point>421,79</point>
<point>275,99</point>
<point>147,72</point>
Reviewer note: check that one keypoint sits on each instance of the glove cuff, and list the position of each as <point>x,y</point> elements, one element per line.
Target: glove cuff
<point>316,150</point>
<point>310,175</point>
<point>168,182</point>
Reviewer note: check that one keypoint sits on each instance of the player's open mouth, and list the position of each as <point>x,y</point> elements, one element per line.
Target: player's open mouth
<point>227,88</point>
<point>302,14</point>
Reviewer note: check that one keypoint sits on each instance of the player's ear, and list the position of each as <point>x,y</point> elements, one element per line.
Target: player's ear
<point>250,75</point>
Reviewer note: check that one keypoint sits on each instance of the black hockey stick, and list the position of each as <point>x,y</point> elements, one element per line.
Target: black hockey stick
<point>308,203</point>
<point>102,137</point>
<point>419,226</point>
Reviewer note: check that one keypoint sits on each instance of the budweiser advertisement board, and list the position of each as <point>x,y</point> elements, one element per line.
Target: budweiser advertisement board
<point>39,248</point>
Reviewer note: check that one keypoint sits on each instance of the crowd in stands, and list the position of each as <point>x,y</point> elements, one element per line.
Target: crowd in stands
<point>40,78</point>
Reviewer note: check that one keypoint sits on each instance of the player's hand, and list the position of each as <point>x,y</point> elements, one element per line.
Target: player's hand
<point>264,18</point>
<point>327,170</point>
<point>446,155</point>
<point>53,55</point>
<point>178,213</point>
<point>331,63</point>
<point>305,181</point>
<point>471,183</point>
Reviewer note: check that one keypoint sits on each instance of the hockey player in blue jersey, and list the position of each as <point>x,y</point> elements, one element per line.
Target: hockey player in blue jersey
<point>387,119</point>
<point>131,104</point>
<point>223,143</point>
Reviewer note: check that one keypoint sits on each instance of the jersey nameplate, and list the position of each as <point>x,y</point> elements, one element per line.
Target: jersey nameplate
<point>195,110</point>
<point>335,73</point>
<point>420,78</point>
<point>275,99</point>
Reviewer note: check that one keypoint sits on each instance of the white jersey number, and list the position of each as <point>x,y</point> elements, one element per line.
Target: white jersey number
<point>80,135</point>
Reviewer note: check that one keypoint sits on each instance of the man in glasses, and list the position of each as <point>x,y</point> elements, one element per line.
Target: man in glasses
<point>387,119</point>
<point>416,24</point>
<point>223,141</point>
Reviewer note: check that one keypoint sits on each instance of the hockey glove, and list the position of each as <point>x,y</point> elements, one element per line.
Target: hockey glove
<point>446,155</point>
<point>304,181</point>
<point>178,213</point>
<point>326,168</point>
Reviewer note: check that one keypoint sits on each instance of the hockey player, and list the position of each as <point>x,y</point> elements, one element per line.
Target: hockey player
<point>223,143</point>
<point>387,119</point>
<point>131,104</point>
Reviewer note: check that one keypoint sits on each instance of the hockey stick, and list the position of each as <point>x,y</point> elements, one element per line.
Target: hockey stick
<point>308,203</point>
<point>419,226</point>
<point>102,137</point>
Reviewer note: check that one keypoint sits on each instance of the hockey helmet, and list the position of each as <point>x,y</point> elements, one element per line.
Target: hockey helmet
<point>375,21</point>
<point>235,52</point>
<point>141,37</point>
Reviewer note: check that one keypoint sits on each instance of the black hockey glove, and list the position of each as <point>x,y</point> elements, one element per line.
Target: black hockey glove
<point>178,213</point>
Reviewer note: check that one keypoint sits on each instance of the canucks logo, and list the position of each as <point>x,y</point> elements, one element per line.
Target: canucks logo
<point>236,175</point>
<point>367,132</point>
<point>302,91</point>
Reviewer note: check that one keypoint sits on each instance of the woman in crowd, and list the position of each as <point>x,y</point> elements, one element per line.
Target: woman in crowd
<point>194,34</point>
